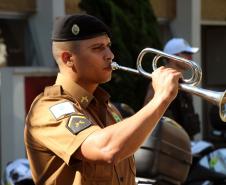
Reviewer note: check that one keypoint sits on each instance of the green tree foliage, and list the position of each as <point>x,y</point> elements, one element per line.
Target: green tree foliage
<point>133,27</point>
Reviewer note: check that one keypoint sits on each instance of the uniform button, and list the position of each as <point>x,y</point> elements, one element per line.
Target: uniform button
<point>121,179</point>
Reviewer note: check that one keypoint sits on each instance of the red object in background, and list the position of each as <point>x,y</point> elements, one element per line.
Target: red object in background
<point>34,85</point>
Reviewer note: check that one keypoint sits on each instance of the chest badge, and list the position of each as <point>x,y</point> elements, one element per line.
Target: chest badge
<point>116,117</point>
<point>84,99</point>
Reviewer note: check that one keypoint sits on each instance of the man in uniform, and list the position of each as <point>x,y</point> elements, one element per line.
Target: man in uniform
<point>73,134</point>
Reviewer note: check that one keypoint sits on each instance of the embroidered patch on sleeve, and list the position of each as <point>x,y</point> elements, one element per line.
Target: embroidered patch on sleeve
<point>61,109</point>
<point>77,123</point>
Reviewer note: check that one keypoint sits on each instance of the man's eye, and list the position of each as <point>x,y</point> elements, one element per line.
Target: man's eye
<point>101,47</point>
<point>98,47</point>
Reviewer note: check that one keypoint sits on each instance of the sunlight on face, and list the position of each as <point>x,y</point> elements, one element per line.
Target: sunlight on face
<point>93,60</point>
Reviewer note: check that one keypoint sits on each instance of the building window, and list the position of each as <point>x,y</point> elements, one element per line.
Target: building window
<point>12,37</point>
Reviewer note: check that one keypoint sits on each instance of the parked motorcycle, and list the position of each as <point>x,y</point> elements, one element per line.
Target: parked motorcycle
<point>208,167</point>
<point>209,161</point>
<point>165,157</point>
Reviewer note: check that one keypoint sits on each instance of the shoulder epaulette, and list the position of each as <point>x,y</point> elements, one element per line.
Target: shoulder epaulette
<point>54,90</point>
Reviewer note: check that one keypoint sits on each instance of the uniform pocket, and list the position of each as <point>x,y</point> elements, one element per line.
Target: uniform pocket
<point>97,172</point>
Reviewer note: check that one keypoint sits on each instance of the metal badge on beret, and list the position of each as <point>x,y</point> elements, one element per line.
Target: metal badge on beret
<point>77,123</point>
<point>75,29</point>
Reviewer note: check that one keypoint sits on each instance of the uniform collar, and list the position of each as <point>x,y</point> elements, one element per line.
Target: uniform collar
<point>79,93</point>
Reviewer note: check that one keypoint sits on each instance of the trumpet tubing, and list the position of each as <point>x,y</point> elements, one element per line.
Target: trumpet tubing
<point>195,69</point>
<point>189,85</point>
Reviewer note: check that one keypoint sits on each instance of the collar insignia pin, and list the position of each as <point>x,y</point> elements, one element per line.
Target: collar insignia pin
<point>84,99</point>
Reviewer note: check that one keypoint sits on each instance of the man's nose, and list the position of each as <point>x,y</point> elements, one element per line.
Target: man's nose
<point>109,54</point>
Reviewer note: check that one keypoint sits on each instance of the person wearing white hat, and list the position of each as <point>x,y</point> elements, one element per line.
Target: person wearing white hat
<point>181,48</point>
<point>181,109</point>
<point>179,45</point>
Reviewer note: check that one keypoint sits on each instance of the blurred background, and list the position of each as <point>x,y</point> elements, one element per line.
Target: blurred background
<point>26,63</point>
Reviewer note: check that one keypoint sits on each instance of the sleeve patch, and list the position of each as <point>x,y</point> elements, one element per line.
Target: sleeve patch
<point>62,109</point>
<point>77,123</point>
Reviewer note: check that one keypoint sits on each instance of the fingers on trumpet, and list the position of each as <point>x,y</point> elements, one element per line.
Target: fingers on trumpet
<point>165,82</point>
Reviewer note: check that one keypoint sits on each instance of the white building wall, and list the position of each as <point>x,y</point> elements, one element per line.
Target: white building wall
<point>12,100</point>
<point>41,28</point>
<point>12,110</point>
<point>187,25</point>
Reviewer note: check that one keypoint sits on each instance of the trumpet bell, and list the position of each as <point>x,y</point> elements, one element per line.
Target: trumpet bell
<point>222,107</point>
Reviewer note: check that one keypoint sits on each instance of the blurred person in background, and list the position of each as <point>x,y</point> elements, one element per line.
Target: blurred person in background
<point>17,172</point>
<point>181,109</point>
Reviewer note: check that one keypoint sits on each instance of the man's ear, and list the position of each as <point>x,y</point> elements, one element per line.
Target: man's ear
<point>66,58</point>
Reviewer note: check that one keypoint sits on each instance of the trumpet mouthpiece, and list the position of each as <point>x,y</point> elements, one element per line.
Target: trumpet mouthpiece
<point>114,65</point>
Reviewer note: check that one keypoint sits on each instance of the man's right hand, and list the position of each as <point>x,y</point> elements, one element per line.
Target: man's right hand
<point>165,82</point>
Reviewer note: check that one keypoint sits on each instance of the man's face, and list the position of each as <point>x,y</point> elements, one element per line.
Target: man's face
<point>93,60</point>
<point>185,55</point>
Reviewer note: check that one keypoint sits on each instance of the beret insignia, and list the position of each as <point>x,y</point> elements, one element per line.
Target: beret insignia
<point>75,29</point>
<point>77,123</point>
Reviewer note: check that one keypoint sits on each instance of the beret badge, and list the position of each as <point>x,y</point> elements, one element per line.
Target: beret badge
<point>75,29</point>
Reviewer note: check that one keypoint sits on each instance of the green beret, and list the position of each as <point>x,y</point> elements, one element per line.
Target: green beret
<point>78,27</point>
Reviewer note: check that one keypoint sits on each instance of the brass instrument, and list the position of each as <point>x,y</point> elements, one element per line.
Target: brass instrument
<point>188,85</point>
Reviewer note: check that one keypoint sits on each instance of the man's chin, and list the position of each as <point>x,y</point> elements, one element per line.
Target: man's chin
<point>106,80</point>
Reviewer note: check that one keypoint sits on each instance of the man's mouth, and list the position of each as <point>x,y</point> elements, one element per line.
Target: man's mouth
<point>108,68</point>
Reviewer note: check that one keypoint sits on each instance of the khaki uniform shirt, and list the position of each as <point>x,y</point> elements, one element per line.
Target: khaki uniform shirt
<point>59,120</point>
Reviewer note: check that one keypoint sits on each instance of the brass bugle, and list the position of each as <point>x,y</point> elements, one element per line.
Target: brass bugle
<point>196,71</point>
<point>188,85</point>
